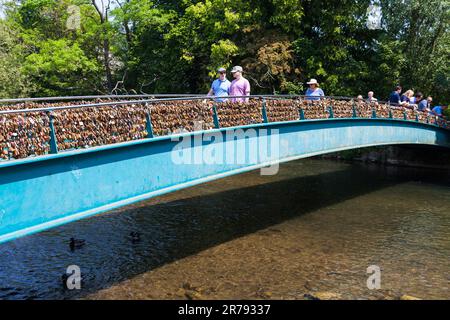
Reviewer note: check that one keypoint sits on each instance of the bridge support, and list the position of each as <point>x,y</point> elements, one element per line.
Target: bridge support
<point>302,114</point>
<point>216,117</point>
<point>264,111</point>
<point>148,123</point>
<point>53,140</point>
<point>355,114</point>
<point>330,110</point>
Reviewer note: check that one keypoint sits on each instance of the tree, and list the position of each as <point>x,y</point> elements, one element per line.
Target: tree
<point>103,8</point>
<point>60,60</point>
<point>13,81</point>
<point>422,39</point>
<point>60,66</point>
<point>153,46</point>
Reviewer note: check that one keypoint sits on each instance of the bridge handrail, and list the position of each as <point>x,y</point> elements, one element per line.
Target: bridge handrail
<point>94,97</point>
<point>137,96</point>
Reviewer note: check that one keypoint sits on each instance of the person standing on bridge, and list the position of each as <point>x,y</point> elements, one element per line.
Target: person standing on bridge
<point>394,98</point>
<point>371,98</point>
<point>314,92</point>
<point>221,86</point>
<point>240,86</point>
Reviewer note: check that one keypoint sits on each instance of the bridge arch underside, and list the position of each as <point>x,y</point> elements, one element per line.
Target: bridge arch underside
<point>44,192</point>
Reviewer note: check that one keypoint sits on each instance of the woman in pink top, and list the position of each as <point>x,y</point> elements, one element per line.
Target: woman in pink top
<point>240,86</point>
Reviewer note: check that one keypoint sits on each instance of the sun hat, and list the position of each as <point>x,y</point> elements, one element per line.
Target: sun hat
<point>313,81</point>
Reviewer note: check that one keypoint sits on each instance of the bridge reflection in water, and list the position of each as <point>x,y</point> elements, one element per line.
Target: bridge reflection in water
<point>50,190</point>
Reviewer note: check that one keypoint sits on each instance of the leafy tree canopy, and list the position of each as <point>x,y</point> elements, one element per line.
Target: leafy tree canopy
<point>176,46</point>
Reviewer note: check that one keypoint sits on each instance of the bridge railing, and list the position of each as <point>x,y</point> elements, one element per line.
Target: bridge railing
<point>85,99</point>
<point>33,129</point>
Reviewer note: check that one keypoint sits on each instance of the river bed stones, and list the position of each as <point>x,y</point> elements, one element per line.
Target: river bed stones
<point>407,297</point>
<point>322,296</point>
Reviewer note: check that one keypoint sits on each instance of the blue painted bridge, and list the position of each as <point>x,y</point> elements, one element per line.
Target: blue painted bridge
<point>47,191</point>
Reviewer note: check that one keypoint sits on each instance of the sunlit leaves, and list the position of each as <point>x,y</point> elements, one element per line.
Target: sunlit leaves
<point>60,65</point>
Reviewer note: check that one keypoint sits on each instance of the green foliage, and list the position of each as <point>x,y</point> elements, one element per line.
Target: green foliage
<point>288,15</point>
<point>221,54</point>
<point>60,66</point>
<point>176,46</point>
<point>13,81</point>
<point>424,42</point>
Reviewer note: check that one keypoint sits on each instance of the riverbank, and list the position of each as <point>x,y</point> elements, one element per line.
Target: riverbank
<point>401,156</point>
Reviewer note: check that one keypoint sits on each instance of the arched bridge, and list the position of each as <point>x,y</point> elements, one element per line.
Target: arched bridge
<point>44,191</point>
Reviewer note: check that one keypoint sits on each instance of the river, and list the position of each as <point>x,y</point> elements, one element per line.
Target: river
<point>315,227</point>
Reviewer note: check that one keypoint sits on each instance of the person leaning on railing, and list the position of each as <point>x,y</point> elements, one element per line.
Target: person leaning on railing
<point>422,104</point>
<point>405,99</point>
<point>418,97</point>
<point>394,98</point>
<point>426,104</point>
<point>439,111</point>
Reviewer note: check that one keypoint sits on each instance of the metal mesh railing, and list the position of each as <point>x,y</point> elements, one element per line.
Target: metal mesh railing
<point>34,129</point>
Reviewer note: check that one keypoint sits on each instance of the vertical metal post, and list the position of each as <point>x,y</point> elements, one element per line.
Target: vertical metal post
<point>355,114</point>
<point>264,111</point>
<point>330,108</point>
<point>302,114</point>
<point>391,116</point>
<point>374,113</point>
<point>216,117</point>
<point>148,120</point>
<point>417,117</point>
<point>53,141</point>
<point>405,116</point>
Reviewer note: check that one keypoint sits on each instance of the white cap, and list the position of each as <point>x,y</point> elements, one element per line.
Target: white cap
<point>312,81</point>
<point>237,69</point>
<point>222,70</point>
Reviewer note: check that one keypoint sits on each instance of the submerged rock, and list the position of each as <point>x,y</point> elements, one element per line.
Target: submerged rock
<point>323,296</point>
<point>406,297</point>
<point>193,295</point>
